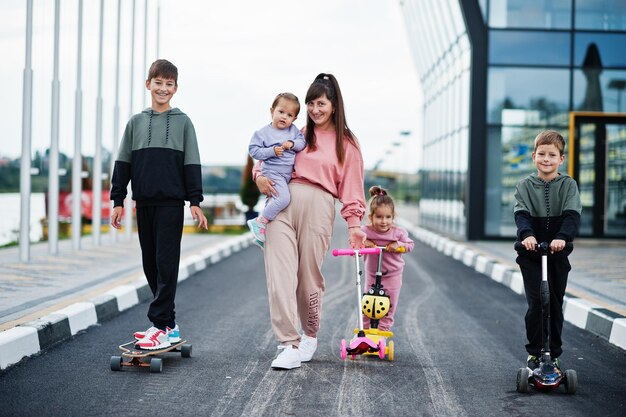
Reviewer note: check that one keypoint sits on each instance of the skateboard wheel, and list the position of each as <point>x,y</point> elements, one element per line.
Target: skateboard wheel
<point>344,351</point>
<point>522,380</point>
<point>156,365</point>
<point>390,351</point>
<point>116,363</point>
<point>571,381</point>
<point>381,348</point>
<point>185,351</point>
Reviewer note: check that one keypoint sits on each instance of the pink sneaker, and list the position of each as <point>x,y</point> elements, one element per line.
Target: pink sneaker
<point>153,339</point>
<point>172,334</point>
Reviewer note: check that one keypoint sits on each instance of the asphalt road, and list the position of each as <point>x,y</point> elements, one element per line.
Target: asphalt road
<point>459,340</point>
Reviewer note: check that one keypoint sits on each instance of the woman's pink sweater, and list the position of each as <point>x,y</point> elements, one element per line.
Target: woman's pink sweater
<point>322,169</point>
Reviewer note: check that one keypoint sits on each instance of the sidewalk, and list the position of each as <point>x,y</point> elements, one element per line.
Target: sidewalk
<point>51,298</point>
<point>595,299</point>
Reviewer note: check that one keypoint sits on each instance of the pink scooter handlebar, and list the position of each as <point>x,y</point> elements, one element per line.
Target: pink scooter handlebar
<point>351,252</point>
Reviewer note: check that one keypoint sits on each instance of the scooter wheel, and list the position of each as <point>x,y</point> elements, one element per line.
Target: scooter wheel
<point>571,381</point>
<point>390,354</point>
<point>381,348</point>
<point>522,380</point>
<point>344,351</point>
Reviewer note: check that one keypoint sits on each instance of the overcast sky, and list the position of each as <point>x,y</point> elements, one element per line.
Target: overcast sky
<point>233,58</point>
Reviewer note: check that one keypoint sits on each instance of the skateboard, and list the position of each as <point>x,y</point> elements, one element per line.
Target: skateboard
<point>134,356</point>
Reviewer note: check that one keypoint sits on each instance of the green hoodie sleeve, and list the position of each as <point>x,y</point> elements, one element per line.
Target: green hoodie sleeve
<point>122,168</point>
<point>572,210</point>
<point>192,167</point>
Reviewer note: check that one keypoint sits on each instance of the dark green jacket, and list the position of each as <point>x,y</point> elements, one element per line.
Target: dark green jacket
<point>159,156</point>
<point>547,210</point>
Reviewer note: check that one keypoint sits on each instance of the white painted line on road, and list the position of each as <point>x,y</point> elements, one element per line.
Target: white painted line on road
<point>126,296</point>
<point>576,310</point>
<point>481,264</point>
<point>468,257</point>
<point>457,253</point>
<point>618,333</point>
<point>80,315</point>
<point>517,283</point>
<point>183,274</point>
<point>17,343</point>
<point>497,273</point>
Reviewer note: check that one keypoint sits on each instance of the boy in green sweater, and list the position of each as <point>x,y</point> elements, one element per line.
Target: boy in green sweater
<point>547,209</point>
<point>159,156</point>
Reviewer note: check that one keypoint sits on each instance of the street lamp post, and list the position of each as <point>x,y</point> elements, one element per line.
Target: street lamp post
<point>27,107</point>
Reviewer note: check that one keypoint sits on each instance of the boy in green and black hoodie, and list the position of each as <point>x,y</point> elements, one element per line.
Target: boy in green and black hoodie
<point>547,209</point>
<point>159,156</point>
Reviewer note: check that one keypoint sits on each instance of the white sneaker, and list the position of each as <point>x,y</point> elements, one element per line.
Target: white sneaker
<point>153,339</point>
<point>288,358</point>
<point>172,334</point>
<point>307,348</point>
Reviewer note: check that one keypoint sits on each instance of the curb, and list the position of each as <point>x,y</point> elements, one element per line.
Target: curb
<point>600,321</point>
<point>30,338</point>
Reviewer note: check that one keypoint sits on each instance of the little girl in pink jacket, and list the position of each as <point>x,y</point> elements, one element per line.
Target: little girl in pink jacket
<point>381,231</point>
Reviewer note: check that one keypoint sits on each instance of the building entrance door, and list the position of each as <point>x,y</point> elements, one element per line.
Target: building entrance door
<point>598,163</point>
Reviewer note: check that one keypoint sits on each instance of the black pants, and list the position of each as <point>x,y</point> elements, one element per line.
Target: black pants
<point>160,232</point>
<point>558,269</point>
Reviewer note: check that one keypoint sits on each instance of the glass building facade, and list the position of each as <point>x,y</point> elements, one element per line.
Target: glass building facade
<point>494,74</point>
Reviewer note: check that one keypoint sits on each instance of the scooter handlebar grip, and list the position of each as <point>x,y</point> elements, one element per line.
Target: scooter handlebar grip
<point>369,251</point>
<point>520,247</point>
<point>343,252</point>
<point>352,252</point>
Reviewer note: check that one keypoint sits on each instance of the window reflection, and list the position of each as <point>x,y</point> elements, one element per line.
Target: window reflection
<point>600,14</point>
<point>610,48</point>
<point>525,96</point>
<point>540,14</point>
<point>607,90</point>
<point>522,47</point>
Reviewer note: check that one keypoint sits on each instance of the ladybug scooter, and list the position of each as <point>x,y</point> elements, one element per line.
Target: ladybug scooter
<point>375,304</point>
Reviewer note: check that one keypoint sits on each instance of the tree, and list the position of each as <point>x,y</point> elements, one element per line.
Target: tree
<point>249,191</point>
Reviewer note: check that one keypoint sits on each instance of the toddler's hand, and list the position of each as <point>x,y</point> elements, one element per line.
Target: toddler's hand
<point>287,145</point>
<point>391,247</point>
<point>278,150</point>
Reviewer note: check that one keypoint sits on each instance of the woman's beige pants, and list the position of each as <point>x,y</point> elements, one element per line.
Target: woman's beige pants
<point>296,242</point>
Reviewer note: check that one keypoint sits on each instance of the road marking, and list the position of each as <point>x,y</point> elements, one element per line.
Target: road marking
<point>442,397</point>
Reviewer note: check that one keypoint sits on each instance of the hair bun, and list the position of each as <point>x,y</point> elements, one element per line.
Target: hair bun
<point>377,190</point>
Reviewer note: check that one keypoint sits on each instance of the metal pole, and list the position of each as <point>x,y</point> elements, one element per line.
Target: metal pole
<point>158,30</point>
<point>77,161</point>
<point>96,217</point>
<point>116,109</point>
<point>53,158</point>
<point>145,46</point>
<point>128,203</point>
<point>27,99</point>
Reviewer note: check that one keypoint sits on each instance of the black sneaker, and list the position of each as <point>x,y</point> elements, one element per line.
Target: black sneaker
<point>532,362</point>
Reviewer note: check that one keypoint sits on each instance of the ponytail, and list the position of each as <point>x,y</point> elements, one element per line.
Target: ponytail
<point>327,85</point>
